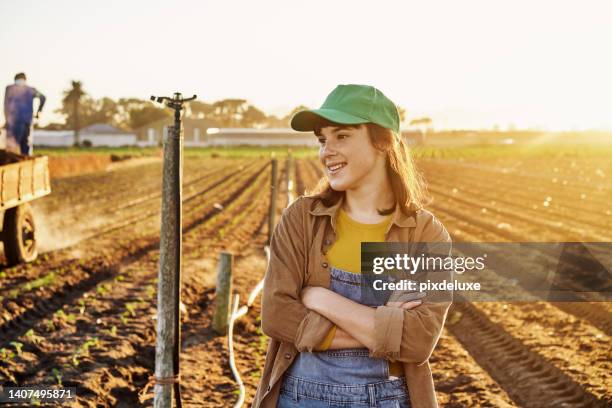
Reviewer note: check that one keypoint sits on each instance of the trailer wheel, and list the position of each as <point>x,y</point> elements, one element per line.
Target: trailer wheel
<point>18,235</point>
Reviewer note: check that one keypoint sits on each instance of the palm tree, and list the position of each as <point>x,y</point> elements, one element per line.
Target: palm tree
<point>73,97</point>
<point>423,124</point>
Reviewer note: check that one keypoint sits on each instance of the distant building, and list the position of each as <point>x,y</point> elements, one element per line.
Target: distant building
<point>53,138</point>
<point>258,137</point>
<point>99,134</point>
<point>197,132</point>
<point>194,131</point>
<point>103,134</point>
<point>413,137</point>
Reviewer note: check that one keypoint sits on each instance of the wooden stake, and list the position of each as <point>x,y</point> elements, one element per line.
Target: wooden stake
<point>223,294</point>
<point>273,194</point>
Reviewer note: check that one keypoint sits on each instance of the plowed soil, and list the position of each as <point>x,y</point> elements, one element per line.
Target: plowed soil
<point>84,314</point>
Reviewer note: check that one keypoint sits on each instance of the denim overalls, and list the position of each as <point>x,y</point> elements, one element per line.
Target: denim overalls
<point>342,377</point>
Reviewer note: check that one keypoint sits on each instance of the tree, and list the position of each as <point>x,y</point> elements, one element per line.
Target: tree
<point>253,117</point>
<point>424,121</point>
<point>200,110</point>
<point>80,110</point>
<point>54,126</point>
<point>147,114</point>
<point>133,113</point>
<point>287,118</point>
<point>72,99</point>
<point>228,112</point>
<point>103,110</point>
<point>402,113</point>
<point>272,121</point>
<point>423,124</point>
<point>124,107</point>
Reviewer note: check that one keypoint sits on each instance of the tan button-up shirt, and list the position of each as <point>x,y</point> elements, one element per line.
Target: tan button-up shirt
<point>300,241</point>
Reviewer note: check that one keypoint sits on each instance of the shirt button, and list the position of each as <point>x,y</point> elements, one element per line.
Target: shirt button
<point>327,242</point>
<point>324,264</point>
<point>269,388</point>
<point>288,356</point>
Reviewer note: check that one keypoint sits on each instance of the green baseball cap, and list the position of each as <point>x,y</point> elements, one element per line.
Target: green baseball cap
<point>351,105</point>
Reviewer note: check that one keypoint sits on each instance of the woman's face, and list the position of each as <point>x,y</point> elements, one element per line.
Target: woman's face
<point>349,158</point>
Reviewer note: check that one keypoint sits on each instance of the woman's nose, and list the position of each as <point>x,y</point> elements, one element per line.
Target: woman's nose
<point>328,150</point>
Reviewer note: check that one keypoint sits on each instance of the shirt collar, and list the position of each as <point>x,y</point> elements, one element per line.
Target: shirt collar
<point>399,218</point>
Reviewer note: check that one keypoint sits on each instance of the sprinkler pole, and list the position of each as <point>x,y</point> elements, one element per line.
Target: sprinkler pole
<point>167,350</point>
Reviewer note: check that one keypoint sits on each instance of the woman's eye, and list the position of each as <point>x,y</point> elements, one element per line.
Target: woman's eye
<point>321,141</point>
<point>342,136</point>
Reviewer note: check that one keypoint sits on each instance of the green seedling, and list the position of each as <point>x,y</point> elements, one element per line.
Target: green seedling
<point>40,282</point>
<point>49,325</point>
<point>55,376</point>
<point>58,376</point>
<point>124,317</point>
<point>93,342</point>
<point>83,350</point>
<point>62,316</point>
<point>102,289</point>
<point>18,346</point>
<point>81,304</point>
<point>263,340</point>
<point>33,337</point>
<point>35,284</point>
<point>6,355</point>
<point>130,308</point>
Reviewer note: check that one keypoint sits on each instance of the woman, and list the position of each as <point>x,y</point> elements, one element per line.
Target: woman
<point>328,346</point>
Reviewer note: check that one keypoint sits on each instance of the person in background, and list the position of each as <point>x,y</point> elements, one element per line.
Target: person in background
<point>19,112</point>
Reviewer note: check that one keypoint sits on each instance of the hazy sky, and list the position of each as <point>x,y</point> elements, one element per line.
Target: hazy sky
<point>464,63</point>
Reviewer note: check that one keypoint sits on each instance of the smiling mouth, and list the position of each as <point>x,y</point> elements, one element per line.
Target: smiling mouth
<point>335,168</point>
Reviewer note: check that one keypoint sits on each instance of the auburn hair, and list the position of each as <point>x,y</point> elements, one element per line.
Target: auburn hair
<point>407,184</point>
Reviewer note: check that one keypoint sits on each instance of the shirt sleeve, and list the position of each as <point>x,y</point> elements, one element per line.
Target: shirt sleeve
<point>41,98</point>
<point>6,103</point>
<point>283,315</point>
<point>411,335</point>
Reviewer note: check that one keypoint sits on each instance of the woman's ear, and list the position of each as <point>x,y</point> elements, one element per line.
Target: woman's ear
<point>382,152</point>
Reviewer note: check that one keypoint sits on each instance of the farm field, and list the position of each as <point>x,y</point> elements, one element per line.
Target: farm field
<point>83,314</point>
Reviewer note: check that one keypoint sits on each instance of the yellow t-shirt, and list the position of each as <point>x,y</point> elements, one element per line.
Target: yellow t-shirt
<point>345,254</point>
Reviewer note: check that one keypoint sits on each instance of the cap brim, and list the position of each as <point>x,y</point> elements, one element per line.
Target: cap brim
<point>304,121</point>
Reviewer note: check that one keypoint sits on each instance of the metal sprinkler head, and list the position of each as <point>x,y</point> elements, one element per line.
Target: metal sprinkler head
<point>175,102</point>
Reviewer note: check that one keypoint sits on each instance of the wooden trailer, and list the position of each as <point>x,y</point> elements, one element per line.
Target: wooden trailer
<point>22,179</point>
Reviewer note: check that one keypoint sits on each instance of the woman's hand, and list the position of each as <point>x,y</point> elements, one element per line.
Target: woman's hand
<point>411,304</point>
<point>413,300</point>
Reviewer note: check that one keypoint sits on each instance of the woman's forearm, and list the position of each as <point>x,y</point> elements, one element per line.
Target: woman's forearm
<point>355,319</point>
